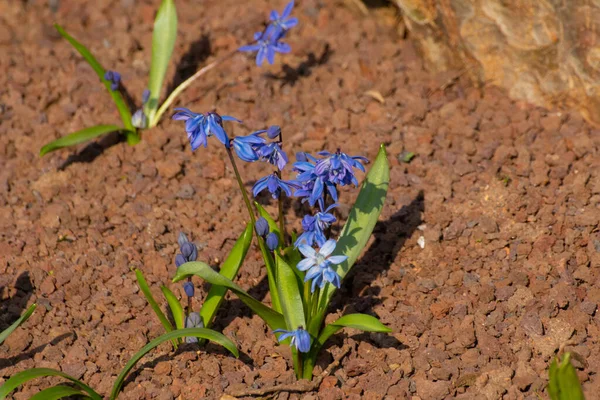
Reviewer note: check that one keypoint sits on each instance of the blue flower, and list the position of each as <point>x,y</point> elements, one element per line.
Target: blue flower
<point>145,96</point>
<point>193,320</point>
<point>300,338</point>
<point>338,168</point>
<point>262,227</point>
<point>274,185</point>
<point>314,227</point>
<point>200,126</point>
<point>273,154</point>
<point>189,251</point>
<point>246,147</point>
<point>267,44</point>
<point>114,78</point>
<point>318,264</point>
<point>272,241</point>
<point>273,131</point>
<point>311,185</point>
<point>283,22</point>
<point>188,288</point>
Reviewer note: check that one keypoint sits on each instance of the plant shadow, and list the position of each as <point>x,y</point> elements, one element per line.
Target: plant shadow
<point>290,75</point>
<point>188,64</point>
<point>8,362</point>
<point>93,150</point>
<point>12,308</point>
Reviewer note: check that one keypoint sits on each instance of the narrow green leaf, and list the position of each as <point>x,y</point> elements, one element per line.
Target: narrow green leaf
<point>363,322</point>
<point>273,226</point>
<point>146,290</point>
<point>4,334</point>
<point>81,136</point>
<point>201,333</point>
<point>25,376</point>
<point>274,319</point>
<point>289,295</point>
<point>163,42</point>
<point>359,226</point>
<point>131,132</point>
<point>564,383</point>
<point>229,270</point>
<point>58,392</point>
<point>175,306</point>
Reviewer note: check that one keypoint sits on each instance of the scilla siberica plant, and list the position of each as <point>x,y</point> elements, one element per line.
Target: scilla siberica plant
<point>304,272</point>
<point>267,43</point>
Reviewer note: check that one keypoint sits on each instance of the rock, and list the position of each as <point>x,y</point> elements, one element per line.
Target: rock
<point>432,390</point>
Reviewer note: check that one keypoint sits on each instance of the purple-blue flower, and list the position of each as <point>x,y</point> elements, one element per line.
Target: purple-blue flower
<point>314,227</point>
<point>267,44</point>
<point>193,320</point>
<point>262,227</point>
<point>318,264</point>
<point>311,185</point>
<point>189,251</point>
<point>300,338</point>
<point>273,154</point>
<point>272,241</point>
<point>188,288</point>
<point>283,22</point>
<point>338,168</point>
<point>246,147</point>
<point>145,96</point>
<point>200,127</point>
<point>114,78</point>
<point>274,185</point>
<point>273,131</point>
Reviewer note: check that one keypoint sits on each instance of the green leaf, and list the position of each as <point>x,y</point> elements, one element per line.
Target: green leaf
<point>274,319</point>
<point>146,290</point>
<point>268,258</point>
<point>130,131</point>
<point>25,376</point>
<point>564,383</point>
<point>229,270</point>
<point>175,306</point>
<point>201,333</point>
<point>358,228</point>
<point>58,392</point>
<point>4,334</point>
<point>363,322</point>
<point>81,136</point>
<point>289,295</point>
<point>163,42</point>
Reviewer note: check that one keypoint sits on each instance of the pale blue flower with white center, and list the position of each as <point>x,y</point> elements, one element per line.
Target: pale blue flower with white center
<point>300,338</point>
<point>283,22</point>
<point>199,127</point>
<point>318,264</point>
<point>193,320</point>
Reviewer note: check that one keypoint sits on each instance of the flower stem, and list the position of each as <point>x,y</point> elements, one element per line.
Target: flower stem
<point>241,184</point>
<point>184,85</point>
<point>280,202</point>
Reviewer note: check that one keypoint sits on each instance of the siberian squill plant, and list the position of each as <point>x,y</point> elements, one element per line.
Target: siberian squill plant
<point>303,270</point>
<point>134,119</point>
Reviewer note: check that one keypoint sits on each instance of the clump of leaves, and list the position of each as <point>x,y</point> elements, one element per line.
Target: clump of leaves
<point>564,383</point>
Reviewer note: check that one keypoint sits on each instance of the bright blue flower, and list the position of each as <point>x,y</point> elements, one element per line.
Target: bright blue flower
<point>188,288</point>
<point>262,227</point>
<point>246,147</point>
<point>193,320</point>
<point>311,185</point>
<point>273,131</point>
<point>338,168</point>
<point>318,264</point>
<point>274,185</point>
<point>114,78</point>
<point>283,22</point>
<point>200,127</point>
<point>314,227</point>
<point>272,241</point>
<point>267,44</point>
<point>300,338</point>
<point>189,251</point>
<point>273,154</point>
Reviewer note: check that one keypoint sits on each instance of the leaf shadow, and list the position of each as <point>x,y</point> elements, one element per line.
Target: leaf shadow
<point>197,53</point>
<point>94,150</point>
<point>9,362</point>
<point>291,75</point>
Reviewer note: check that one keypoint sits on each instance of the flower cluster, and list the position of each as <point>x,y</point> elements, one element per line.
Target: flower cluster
<point>189,252</point>
<point>269,41</point>
<point>262,229</point>
<point>114,78</point>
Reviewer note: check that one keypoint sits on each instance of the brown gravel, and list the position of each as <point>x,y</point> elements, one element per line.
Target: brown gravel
<point>506,197</point>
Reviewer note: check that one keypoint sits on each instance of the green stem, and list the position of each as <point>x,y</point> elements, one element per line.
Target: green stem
<point>184,85</point>
<point>281,220</point>
<point>241,184</point>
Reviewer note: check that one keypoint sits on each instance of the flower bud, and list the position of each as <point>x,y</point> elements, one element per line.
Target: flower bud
<point>262,227</point>
<point>139,119</point>
<point>272,241</point>
<point>273,131</point>
<point>188,287</point>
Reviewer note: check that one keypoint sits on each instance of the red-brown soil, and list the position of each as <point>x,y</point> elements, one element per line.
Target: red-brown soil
<point>505,195</point>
